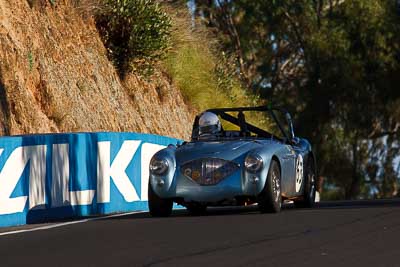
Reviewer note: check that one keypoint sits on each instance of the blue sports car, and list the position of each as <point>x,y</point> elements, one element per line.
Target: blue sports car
<point>233,161</point>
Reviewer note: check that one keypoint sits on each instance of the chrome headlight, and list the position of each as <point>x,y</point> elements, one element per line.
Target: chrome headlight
<point>158,166</point>
<point>253,163</point>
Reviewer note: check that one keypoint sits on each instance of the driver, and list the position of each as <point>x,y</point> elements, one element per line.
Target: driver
<point>209,126</point>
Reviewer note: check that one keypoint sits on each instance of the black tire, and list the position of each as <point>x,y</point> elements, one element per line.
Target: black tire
<point>308,198</point>
<point>158,207</point>
<point>270,199</point>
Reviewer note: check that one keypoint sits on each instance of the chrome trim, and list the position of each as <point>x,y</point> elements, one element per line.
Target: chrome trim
<point>181,171</point>
<point>237,164</point>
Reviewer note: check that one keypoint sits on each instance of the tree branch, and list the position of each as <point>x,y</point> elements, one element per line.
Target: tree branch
<point>235,39</point>
<point>383,134</point>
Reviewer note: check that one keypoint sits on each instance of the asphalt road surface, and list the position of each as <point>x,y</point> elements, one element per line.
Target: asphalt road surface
<point>334,234</point>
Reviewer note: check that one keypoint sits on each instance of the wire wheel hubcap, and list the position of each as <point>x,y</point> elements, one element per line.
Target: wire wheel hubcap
<point>276,188</point>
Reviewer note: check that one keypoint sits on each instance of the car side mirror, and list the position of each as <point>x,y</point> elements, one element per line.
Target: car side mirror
<point>295,141</point>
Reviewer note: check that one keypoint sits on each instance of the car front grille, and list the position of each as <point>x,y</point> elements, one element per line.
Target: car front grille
<point>209,171</point>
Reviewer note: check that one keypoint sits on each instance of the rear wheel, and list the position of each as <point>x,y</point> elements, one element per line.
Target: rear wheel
<point>159,207</point>
<point>270,199</point>
<point>308,198</point>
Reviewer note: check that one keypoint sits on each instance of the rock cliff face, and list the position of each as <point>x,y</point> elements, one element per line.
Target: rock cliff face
<point>55,77</point>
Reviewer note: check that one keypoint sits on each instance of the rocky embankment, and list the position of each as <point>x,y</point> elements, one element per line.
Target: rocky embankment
<point>55,77</point>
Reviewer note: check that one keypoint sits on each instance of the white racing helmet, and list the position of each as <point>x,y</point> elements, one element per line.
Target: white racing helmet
<point>209,124</point>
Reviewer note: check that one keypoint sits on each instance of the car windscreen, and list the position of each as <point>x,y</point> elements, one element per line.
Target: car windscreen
<point>249,124</point>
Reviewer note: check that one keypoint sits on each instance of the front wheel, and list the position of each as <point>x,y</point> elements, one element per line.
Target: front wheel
<point>270,199</point>
<point>159,207</point>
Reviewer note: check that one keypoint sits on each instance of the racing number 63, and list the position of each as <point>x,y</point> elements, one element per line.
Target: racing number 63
<point>299,172</point>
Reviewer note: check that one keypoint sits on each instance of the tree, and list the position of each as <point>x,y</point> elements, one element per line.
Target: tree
<point>335,63</point>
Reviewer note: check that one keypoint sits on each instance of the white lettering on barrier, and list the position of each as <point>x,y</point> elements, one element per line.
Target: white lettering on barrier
<point>60,194</point>
<point>11,173</point>
<point>148,150</point>
<point>116,171</point>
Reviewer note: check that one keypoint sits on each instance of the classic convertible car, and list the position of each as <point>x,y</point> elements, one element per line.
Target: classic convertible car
<point>234,162</point>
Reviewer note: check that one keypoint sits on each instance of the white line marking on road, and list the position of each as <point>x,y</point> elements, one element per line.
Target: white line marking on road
<point>68,223</point>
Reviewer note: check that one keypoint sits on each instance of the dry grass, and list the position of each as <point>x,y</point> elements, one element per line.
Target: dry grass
<point>192,63</point>
<point>88,8</point>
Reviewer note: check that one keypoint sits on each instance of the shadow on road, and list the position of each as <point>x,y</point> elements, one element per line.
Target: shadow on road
<point>356,204</point>
<point>253,210</point>
<point>241,210</point>
<point>216,211</point>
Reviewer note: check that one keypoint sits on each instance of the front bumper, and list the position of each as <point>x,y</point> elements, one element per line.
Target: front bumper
<point>237,184</point>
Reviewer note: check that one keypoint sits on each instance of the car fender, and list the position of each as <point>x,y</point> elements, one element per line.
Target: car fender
<point>164,185</point>
<point>250,187</point>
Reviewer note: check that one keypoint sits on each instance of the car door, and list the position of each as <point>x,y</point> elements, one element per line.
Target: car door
<point>293,157</point>
<point>288,173</point>
<point>299,165</point>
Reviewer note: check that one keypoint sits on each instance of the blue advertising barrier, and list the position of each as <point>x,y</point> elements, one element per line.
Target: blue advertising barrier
<point>53,176</point>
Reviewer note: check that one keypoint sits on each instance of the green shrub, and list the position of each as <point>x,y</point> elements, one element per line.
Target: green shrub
<point>30,60</point>
<point>135,32</point>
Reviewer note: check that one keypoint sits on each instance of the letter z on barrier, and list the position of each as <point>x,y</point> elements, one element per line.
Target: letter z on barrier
<point>11,173</point>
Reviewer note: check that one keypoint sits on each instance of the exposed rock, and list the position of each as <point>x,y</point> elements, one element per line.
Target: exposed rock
<point>55,77</point>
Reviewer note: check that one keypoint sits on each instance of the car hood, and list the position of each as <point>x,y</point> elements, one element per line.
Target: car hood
<point>228,150</point>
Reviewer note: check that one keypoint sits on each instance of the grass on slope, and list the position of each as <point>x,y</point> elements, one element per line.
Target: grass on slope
<point>197,70</point>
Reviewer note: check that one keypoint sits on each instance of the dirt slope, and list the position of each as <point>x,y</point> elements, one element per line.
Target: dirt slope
<point>55,77</point>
